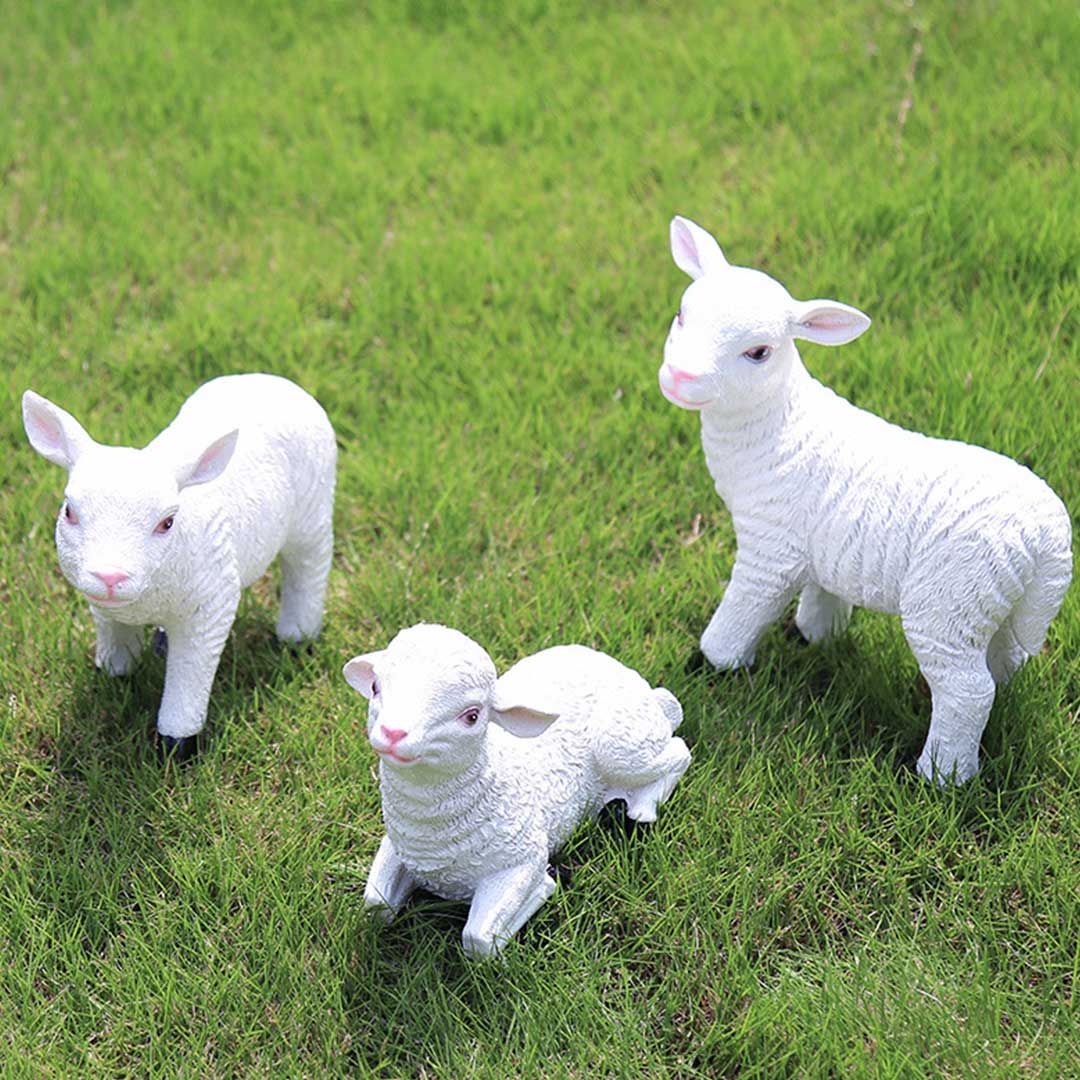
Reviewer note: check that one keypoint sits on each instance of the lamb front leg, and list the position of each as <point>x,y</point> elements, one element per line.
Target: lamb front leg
<point>118,645</point>
<point>195,647</point>
<point>755,597</point>
<point>502,904</point>
<point>389,883</point>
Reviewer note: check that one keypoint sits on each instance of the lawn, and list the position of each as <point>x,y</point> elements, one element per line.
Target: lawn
<point>448,221</point>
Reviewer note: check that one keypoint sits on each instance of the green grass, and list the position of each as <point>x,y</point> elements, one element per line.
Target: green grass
<point>449,222</point>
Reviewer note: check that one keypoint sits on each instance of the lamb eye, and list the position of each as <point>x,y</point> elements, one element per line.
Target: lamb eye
<point>374,688</point>
<point>469,717</point>
<point>758,354</point>
<point>69,514</point>
<point>165,524</point>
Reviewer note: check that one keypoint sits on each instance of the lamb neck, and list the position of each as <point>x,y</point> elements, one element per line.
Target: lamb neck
<point>747,442</point>
<point>426,815</point>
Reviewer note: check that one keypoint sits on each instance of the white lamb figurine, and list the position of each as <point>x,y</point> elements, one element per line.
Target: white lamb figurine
<point>839,507</point>
<point>168,535</point>
<point>472,809</point>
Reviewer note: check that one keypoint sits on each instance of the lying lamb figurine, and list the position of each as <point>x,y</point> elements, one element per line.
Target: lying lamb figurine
<point>473,810</point>
<point>146,543</point>
<point>839,506</point>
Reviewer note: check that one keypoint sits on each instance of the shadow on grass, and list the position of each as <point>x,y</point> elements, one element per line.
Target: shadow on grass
<point>858,695</point>
<point>106,809</point>
<point>413,998</point>
<point>113,720</point>
<point>403,978</point>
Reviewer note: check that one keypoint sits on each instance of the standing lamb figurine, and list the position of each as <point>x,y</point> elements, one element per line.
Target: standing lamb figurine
<point>170,534</point>
<point>473,806</point>
<point>839,506</point>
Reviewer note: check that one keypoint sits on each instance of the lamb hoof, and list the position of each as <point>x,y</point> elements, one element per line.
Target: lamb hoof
<point>615,819</point>
<point>561,873</point>
<point>179,751</point>
<point>947,774</point>
<point>160,642</point>
<point>695,662</point>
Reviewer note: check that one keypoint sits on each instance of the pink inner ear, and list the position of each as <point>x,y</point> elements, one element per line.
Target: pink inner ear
<point>213,455</point>
<point>51,429</point>
<point>830,324</point>
<point>829,321</point>
<point>524,722</point>
<point>213,460</point>
<point>48,429</point>
<point>686,249</point>
<point>360,675</point>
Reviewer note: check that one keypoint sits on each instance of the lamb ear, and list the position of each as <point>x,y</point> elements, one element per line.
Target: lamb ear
<point>694,250</point>
<point>359,673</point>
<point>827,322</point>
<point>521,704</point>
<point>522,721</point>
<point>210,464</point>
<point>55,434</point>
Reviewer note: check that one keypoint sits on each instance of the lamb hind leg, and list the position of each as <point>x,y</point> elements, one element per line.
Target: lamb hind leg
<point>501,906</point>
<point>821,614</point>
<point>649,791</point>
<point>1005,655</point>
<point>305,567</point>
<point>962,691</point>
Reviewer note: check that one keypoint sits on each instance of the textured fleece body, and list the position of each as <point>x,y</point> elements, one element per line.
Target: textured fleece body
<point>278,485</point>
<point>950,536</point>
<point>523,798</point>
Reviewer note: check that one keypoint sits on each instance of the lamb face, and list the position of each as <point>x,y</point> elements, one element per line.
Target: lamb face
<point>429,699</point>
<point>116,525</point>
<point>727,342</point>
<point>119,518</point>
<point>731,341</point>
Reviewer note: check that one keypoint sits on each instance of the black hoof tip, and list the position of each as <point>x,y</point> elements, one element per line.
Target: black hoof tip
<point>300,649</point>
<point>614,818</point>
<point>696,662</point>
<point>160,642</point>
<point>178,751</point>
<point>561,874</point>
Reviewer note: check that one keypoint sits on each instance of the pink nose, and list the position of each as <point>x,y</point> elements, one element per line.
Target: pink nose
<point>677,375</point>
<point>111,578</point>
<point>392,735</point>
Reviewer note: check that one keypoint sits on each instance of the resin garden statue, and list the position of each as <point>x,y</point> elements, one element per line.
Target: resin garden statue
<point>484,778</point>
<point>168,535</point>
<point>838,507</point>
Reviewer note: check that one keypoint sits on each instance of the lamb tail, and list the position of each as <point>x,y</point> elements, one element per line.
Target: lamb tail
<point>669,705</point>
<point>1053,571</point>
